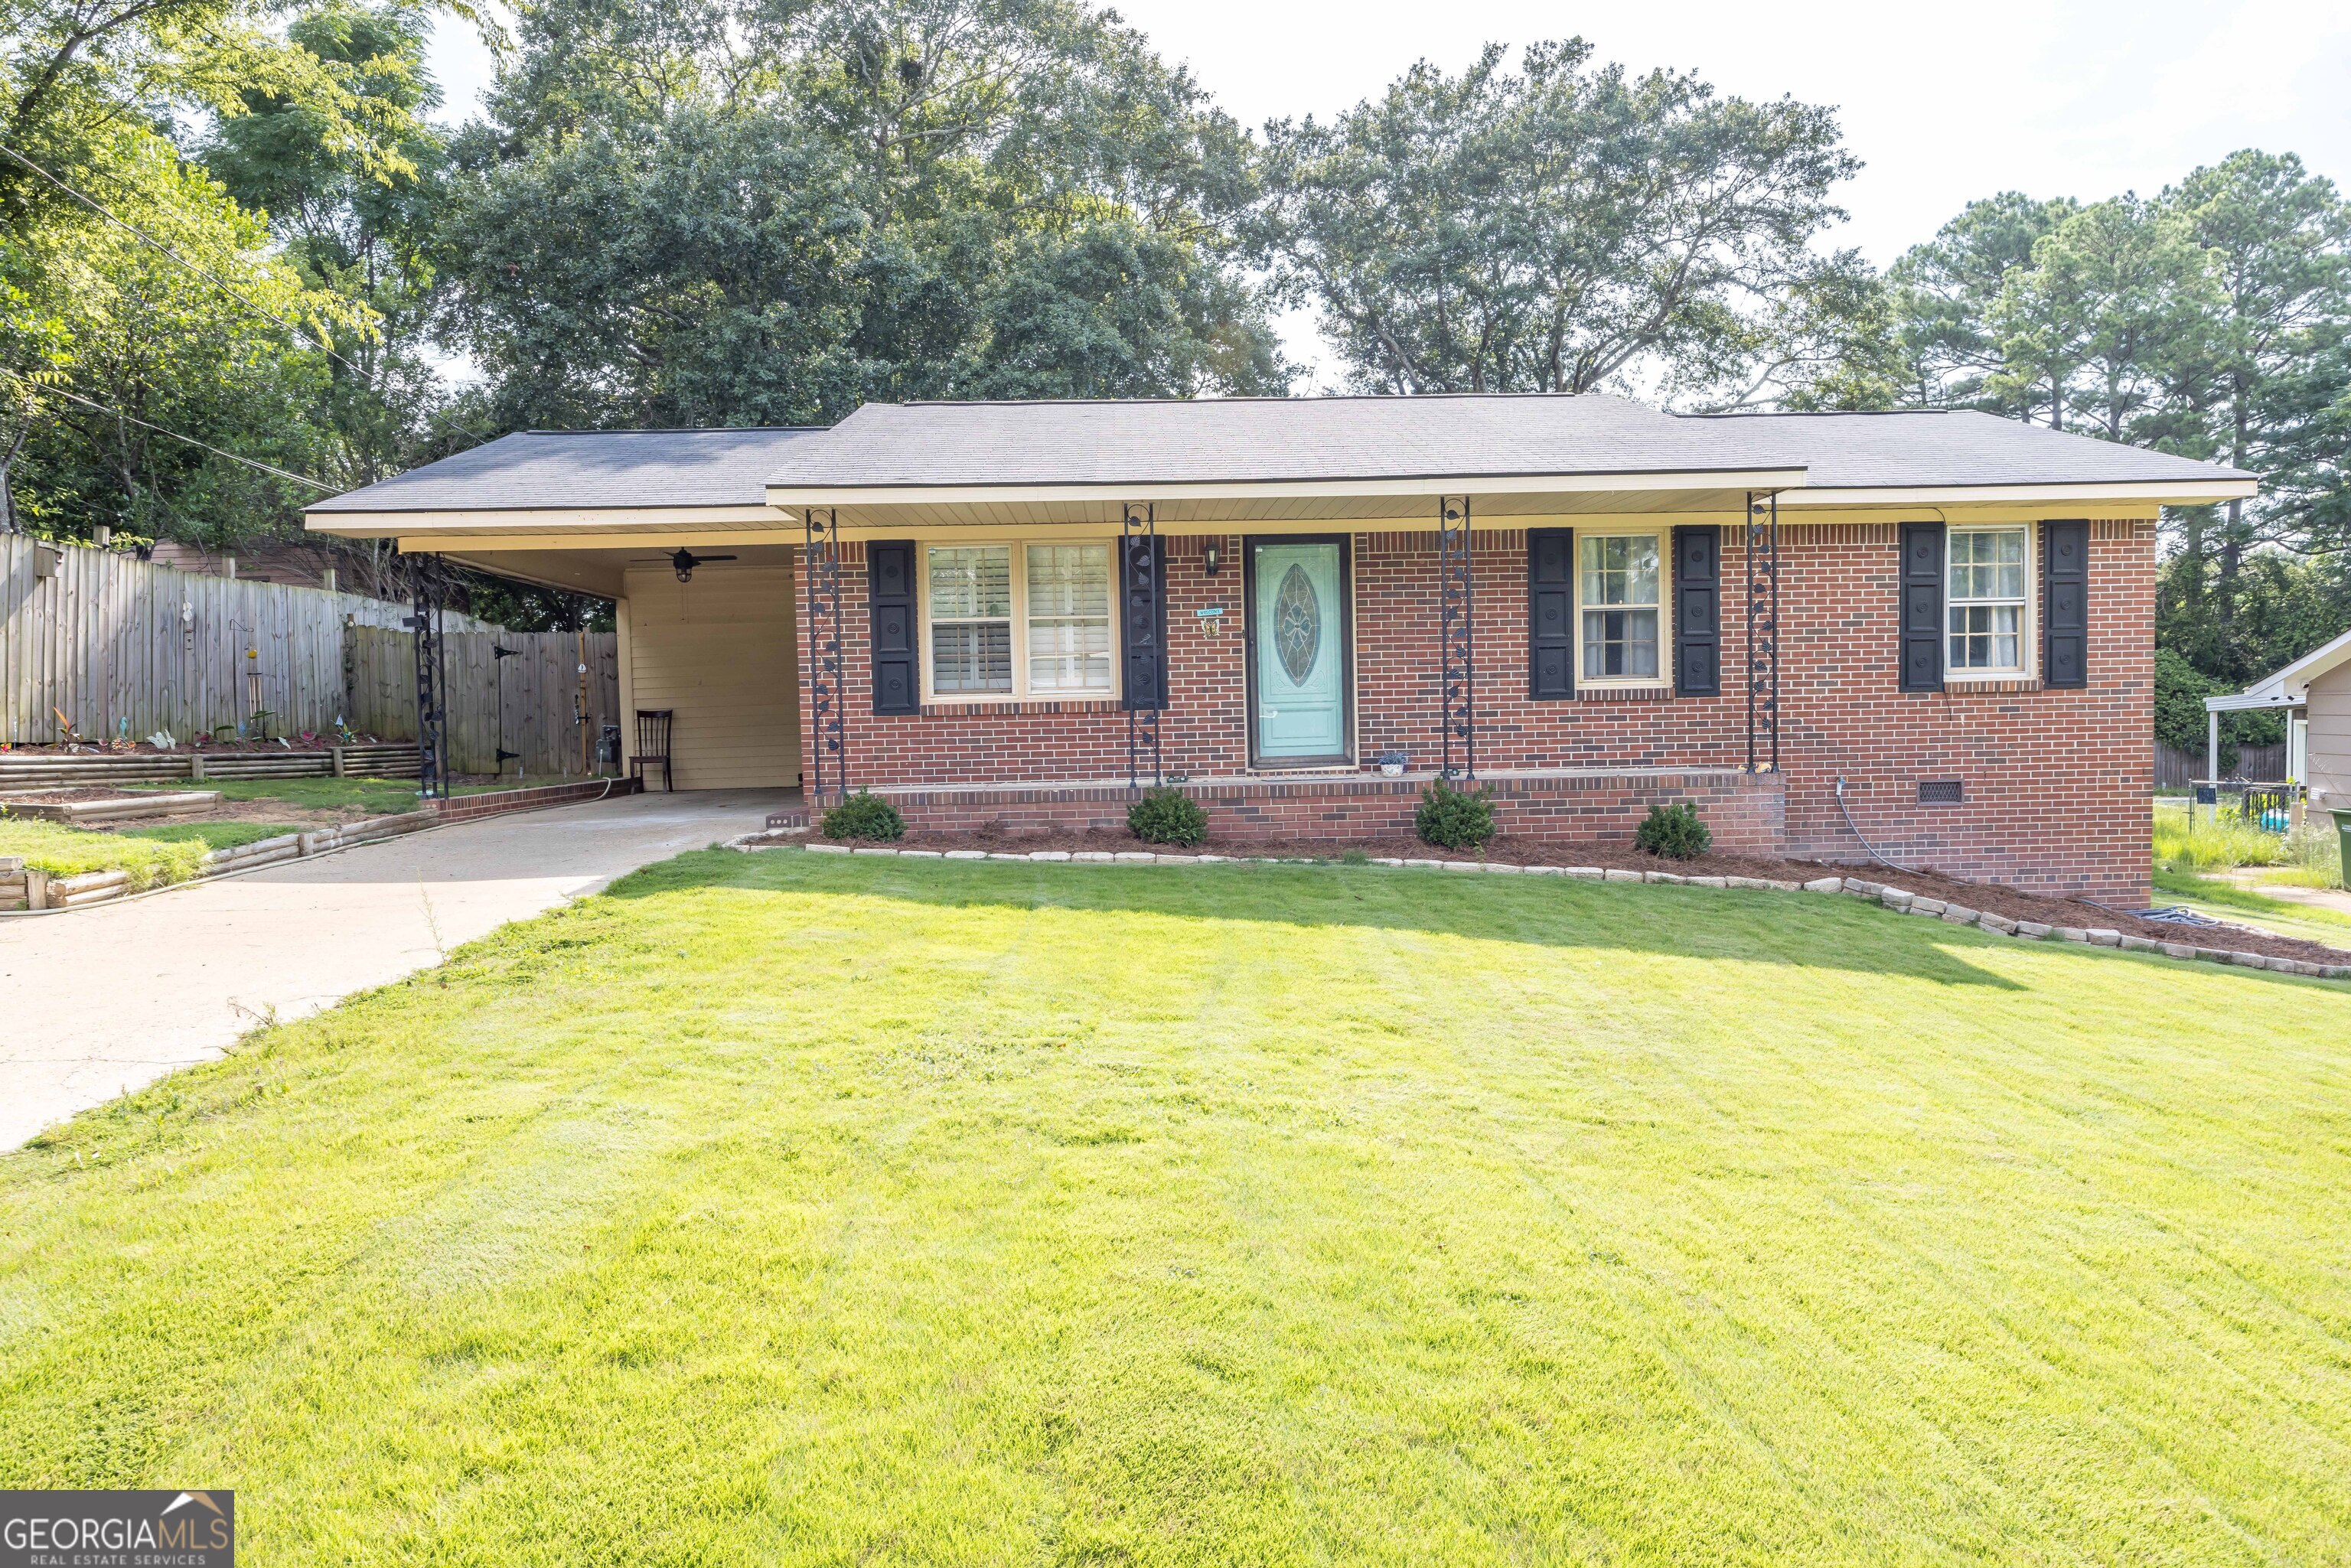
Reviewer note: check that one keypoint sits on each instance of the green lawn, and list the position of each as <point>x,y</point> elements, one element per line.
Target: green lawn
<point>2249,906</point>
<point>794,1209</point>
<point>171,851</point>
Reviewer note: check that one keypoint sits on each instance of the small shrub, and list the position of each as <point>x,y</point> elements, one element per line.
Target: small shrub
<point>1454,819</point>
<point>864,815</point>
<point>1674,832</point>
<point>1167,816</point>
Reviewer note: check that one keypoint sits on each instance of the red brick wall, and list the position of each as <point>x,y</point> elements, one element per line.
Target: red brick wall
<point>2058,781</point>
<point>1744,810</point>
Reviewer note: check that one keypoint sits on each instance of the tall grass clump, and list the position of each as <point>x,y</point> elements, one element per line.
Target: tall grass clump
<point>2212,841</point>
<point>2313,856</point>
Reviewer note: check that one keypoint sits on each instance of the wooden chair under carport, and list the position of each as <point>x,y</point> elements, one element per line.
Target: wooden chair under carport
<point>652,744</point>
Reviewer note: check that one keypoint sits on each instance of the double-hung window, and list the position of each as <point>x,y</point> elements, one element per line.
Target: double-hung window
<point>1069,617</point>
<point>1618,586</point>
<point>1050,602</point>
<point>1986,600</point>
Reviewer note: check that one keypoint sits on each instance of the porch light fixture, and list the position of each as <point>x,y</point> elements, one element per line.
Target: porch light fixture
<point>1215,557</point>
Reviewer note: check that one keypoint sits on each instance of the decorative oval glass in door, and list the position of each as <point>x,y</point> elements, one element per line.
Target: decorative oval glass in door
<point>1298,625</point>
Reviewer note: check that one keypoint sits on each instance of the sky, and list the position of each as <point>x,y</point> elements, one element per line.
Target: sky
<point>1943,103</point>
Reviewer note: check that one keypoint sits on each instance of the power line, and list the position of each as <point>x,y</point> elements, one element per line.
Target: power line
<point>145,425</point>
<point>218,281</point>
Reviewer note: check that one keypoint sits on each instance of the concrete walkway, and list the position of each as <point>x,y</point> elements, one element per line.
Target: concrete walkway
<point>97,1002</point>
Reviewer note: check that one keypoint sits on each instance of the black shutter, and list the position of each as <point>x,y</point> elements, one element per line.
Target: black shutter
<point>1922,607</point>
<point>2066,604</point>
<point>1551,613</point>
<point>1143,620</point>
<point>1698,611</point>
<point>890,606</point>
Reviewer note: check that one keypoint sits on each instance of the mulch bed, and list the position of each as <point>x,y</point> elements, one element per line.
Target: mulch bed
<point>1618,855</point>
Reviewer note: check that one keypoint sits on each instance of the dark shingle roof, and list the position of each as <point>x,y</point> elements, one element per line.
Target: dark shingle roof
<point>1255,440</point>
<point>1948,446</point>
<point>1242,440</point>
<point>537,468</point>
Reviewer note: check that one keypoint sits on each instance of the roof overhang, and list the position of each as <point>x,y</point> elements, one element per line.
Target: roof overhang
<point>2290,687</point>
<point>549,521</point>
<point>2249,702</point>
<point>1496,501</point>
<point>1210,503</point>
<point>2160,493</point>
<point>1419,486</point>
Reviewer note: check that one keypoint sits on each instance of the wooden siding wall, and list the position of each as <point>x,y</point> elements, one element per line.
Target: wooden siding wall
<point>544,698</point>
<point>104,642</point>
<point>720,652</point>
<point>2329,739</point>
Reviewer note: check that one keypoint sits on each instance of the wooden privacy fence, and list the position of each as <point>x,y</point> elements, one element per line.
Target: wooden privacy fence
<point>553,710</point>
<point>122,647</point>
<point>2176,769</point>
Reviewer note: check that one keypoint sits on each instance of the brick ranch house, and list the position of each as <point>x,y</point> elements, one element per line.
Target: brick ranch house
<point>1008,614</point>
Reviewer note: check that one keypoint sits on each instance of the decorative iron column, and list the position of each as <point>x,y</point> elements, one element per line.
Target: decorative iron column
<point>1139,525</point>
<point>1764,633</point>
<point>1456,637</point>
<point>432,679</point>
<point>827,698</point>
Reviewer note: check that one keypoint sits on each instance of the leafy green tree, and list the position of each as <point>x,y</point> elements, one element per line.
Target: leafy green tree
<point>2214,321</point>
<point>2180,718</point>
<point>725,213</point>
<point>2113,304</point>
<point>354,226</point>
<point>1943,293</point>
<point>106,337</point>
<point>141,345</point>
<point>1560,228</point>
<point>2269,393</point>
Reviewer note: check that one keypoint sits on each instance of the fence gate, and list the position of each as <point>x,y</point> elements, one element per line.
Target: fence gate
<point>541,697</point>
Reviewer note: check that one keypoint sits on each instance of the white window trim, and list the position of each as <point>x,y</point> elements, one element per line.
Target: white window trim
<point>1664,678</point>
<point>1021,691</point>
<point>2028,651</point>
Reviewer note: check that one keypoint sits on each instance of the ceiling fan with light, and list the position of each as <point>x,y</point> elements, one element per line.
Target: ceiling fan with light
<point>682,562</point>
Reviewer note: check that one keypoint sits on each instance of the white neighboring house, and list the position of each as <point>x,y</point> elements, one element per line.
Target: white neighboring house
<point>2316,692</point>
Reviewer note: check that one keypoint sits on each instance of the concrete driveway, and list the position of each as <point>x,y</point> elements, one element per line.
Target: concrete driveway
<point>97,1002</point>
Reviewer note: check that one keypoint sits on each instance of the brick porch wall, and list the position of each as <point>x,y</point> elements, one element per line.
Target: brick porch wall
<point>1744,810</point>
<point>2058,782</point>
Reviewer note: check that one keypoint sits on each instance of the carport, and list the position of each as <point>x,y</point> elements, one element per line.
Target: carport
<point>674,527</point>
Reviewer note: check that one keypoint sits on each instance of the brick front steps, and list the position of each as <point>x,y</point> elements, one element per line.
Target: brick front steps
<point>24,890</point>
<point>1895,899</point>
<point>1746,810</point>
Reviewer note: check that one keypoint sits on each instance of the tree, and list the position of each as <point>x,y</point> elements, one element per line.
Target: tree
<point>2269,393</point>
<point>2214,321</point>
<point>105,337</point>
<point>1562,228</point>
<point>2112,306</point>
<point>358,230</point>
<point>140,345</point>
<point>722,213</point>
<point>1943,293</point>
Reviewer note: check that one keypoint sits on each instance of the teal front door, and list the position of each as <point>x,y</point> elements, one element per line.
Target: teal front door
<point>1298,601</point>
